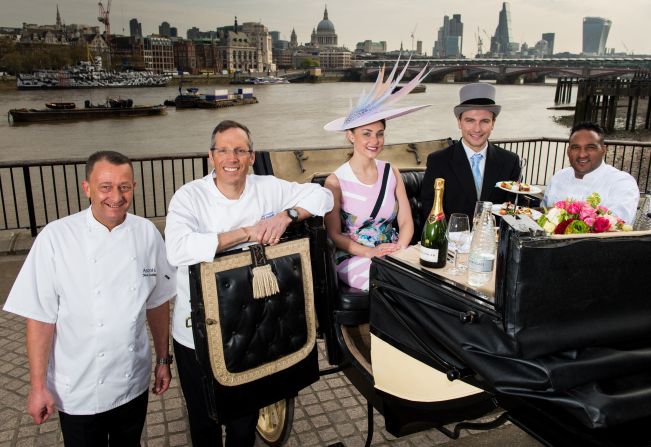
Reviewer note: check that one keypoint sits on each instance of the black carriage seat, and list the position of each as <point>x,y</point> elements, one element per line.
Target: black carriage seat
<point>351,304</point>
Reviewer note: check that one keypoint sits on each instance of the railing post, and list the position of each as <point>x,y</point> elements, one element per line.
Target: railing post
<point>204,166</point>
<point>30,200</point>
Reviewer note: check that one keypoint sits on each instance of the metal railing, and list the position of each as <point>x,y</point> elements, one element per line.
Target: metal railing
<point>34,193</point>
<point>545,156</point>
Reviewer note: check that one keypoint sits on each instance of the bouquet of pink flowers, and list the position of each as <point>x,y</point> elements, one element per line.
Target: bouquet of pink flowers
<point>577,216</point>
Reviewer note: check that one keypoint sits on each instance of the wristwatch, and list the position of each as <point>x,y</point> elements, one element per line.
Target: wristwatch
<point>165,360</point>
<point>293,214</point>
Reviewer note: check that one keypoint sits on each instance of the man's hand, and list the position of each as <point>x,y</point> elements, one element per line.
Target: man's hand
<point>162,379</point>
<point>269,231</point>
<point>40,404</point>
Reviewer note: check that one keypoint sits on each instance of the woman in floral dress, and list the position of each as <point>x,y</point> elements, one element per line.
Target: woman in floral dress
<point>369,195</point>
<point>356,187</point>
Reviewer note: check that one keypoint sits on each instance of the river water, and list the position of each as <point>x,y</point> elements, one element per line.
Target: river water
<point>287,116</point>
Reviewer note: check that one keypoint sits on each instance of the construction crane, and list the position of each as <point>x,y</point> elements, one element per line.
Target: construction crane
<point>480,42</point>
<point>104,18</point>
<point>626,48</point>
<point>412,38</point>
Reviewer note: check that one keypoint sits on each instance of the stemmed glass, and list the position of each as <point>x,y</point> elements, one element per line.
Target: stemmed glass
<point>458,234</point>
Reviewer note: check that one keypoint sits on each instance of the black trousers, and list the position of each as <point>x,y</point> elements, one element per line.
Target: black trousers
<point>204,431</point>
<point>121,426</point>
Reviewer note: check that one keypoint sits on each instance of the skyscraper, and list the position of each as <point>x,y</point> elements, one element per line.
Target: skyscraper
<point>549,38</point>
<point>501,40</point>
<point>164,29</point>
<point>595,34</point>
<point>135,28</point>
<point>449,41</point>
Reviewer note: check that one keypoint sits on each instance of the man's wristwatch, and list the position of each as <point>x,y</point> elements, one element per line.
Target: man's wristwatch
<point>293,214</point>
<point>165,360</point>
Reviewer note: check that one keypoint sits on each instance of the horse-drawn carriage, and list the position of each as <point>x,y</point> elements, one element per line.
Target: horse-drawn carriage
<point>560,345</point>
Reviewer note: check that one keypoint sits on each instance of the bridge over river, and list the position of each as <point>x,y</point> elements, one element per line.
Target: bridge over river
<point>504,71</point>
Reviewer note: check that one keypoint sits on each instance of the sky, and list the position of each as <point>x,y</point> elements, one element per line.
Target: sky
<point>358,20</point>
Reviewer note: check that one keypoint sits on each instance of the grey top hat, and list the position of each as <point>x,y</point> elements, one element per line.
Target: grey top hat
<point>477,96</point>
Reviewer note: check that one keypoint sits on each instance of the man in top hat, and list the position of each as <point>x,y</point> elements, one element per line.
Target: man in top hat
<point>472,166</point>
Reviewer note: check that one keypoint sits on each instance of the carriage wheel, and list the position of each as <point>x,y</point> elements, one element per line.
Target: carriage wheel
<point>275,422</point>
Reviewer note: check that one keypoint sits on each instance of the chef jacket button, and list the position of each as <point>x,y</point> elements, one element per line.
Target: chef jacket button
<point>133,319</point>
<point>130,348</point>
<point>97,292</point>
<point>127,375</point>
<point>94,261</point>
<point>100,324</point>
<point>101,381</point>
<point>133,258</point>
<point>133,289</point>
<point>101,354</point>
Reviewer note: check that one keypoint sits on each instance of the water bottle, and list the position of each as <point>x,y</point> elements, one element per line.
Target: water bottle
<point>483,248</point>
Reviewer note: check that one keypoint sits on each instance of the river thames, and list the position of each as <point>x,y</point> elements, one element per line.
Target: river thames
<point>287,116</point>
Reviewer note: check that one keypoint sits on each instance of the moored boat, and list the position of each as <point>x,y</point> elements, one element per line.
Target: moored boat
<point>112,108</point>
<point>60,105</point>
<point>192,99</point>
<point>89,75</point>
<point>420,88</point>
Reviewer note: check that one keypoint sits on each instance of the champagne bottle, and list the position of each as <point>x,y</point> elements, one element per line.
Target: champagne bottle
<point>433,242</point>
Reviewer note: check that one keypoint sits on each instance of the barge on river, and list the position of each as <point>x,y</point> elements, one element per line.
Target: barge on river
<point>112,108</point>
<point>192,99</point>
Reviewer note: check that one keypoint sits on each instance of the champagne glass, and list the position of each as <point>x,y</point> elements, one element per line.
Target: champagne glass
<point>458,234</point>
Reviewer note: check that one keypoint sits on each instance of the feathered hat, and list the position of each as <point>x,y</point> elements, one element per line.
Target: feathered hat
<point>374,106</point>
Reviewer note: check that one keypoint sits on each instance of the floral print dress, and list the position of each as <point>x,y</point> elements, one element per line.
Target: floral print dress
<point>357,203</point>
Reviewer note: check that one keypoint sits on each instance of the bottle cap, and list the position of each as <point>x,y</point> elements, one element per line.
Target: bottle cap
<point>439,183</point>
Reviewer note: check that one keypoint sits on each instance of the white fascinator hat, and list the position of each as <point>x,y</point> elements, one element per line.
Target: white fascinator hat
<point>376,105</point>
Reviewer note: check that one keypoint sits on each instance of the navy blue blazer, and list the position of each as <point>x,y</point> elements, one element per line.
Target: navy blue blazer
<point>460,194</point>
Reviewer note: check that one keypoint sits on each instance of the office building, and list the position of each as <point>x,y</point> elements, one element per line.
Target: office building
<point>549,38</point>
<point>449,42</point>
<point>135,28</point>
<point>501,41</point>
<point>595,35</point>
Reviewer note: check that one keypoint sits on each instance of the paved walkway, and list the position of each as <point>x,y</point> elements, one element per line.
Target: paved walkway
<point>329,411</point>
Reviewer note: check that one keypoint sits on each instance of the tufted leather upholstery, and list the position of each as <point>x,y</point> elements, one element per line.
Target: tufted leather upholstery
<point>352,305</point>
<point>255,332</point>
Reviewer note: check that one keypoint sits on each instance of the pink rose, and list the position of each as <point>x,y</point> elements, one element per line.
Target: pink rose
<point>589,221</point>
<point>561,204</point>
<point>602,209</point>
<point>586,212</point>
<point>574,208</point>
<point>601,224</point>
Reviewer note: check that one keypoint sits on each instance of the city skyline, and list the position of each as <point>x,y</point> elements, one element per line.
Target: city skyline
<point>354,22</point>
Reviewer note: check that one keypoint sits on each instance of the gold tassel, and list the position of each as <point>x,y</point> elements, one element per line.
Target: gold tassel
<point>264,282</point>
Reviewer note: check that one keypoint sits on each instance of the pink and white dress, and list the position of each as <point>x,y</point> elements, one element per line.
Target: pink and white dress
<point>357,203</point>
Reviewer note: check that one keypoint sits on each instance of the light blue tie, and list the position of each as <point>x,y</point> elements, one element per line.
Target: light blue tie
<point>475,160</point>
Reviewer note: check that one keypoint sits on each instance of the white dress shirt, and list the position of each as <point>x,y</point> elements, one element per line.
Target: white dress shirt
<point>198,212</point>
<point>95,285</point>
<point>469,153</point>
<point>618,190</point>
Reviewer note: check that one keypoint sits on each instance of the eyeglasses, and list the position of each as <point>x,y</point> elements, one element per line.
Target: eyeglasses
<point>238,152</point>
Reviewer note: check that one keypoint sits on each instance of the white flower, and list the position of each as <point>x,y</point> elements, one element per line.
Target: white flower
<point>613,222</point>
<point>555,215</point>
<point>549,227</point>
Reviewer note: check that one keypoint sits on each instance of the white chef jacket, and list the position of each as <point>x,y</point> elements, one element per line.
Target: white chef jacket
<point>618,189</point>
<point>95,286</point>
<point>198,212</point>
